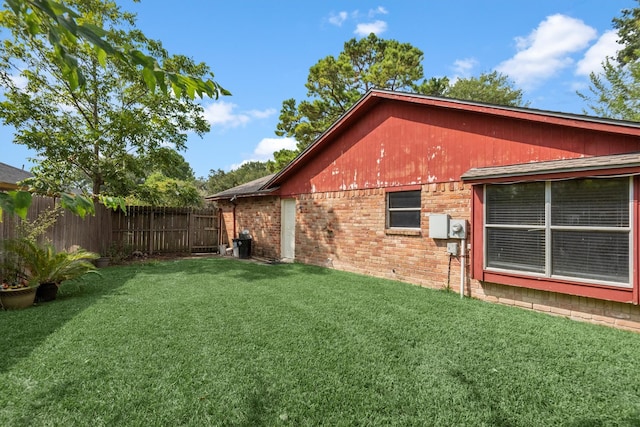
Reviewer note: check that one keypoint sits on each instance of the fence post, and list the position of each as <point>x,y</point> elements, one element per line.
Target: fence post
<point>151,232</point>
<point>190,230</point>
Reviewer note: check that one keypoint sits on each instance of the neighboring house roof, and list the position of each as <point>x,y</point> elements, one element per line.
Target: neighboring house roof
<point>375,97</point>
<point>615,161</point>
<point>252,188</point>
<point>10,176</point>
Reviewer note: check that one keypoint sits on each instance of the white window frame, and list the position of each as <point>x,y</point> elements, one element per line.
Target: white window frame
<point>548,228</point>
<point>389,209</point>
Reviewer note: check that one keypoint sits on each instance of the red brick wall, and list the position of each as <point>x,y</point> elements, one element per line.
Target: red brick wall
<point>261,216</point>
<point>346,230</point>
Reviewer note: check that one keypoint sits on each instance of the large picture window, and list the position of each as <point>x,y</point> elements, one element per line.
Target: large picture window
<point>574,229</point>
<point>403,209</point>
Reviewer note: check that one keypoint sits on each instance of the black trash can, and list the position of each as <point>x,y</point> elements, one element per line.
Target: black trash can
<point>244,248</point>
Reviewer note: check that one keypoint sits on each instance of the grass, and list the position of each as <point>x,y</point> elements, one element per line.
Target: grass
<point>224,342</point>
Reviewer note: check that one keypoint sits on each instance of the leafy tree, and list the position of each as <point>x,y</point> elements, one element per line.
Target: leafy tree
<point>220,180</point>
<point>169,163</point>
<point>615,92</point>
<point>168,180</point>
<point>160,178</point>
<point>435,86</point>
<point>88,133</point>
<point>492,88</point>
<point>160,190</point>
<point>628,26</point>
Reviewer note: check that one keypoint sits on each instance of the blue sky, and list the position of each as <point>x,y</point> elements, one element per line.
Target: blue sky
<point>261,51</point>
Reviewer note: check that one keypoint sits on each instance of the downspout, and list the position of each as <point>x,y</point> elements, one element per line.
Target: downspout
<point>233,202</point>
<point>220,211</point>
<point>234,221</point>
<point>463,265</point>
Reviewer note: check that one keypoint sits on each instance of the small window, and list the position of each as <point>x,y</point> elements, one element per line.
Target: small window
<point>575,229</point>
<point>403,209</point>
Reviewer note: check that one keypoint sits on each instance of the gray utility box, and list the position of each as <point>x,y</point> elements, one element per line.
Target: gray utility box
<point>452,248</point>
<point>439,226</point>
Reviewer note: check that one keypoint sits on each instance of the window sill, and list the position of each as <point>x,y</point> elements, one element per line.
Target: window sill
<point>403,232</point>
<point>589,290</point>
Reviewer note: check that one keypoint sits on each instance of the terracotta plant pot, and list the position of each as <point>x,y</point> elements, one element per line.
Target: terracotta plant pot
<point>13,299</point>
<point>46,292</point>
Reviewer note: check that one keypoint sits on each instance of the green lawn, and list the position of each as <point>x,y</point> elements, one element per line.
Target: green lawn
<point>217,341</point>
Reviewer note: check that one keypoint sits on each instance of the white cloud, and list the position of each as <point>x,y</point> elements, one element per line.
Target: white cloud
<point>262,114</point>
<point>378,11</point>
<point>364,29</point>
<point>221,113</point>
<point>265,149</point>
<point>463,67</point>
<point>338,18</point>
<point>606,46</point>
<point>547,49</point>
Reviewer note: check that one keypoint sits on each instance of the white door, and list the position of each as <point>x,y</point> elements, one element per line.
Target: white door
<point>288,229</point>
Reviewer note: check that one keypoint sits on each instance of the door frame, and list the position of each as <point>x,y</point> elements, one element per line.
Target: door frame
<point>287,229</point>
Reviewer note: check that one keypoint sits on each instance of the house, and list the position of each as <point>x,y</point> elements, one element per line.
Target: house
<point>10,176</point>
<point>517,206</point>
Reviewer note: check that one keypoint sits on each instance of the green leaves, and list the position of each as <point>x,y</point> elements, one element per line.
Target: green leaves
<point>493,88</point>
<point>113,202</point>
<point>18,203</point>
<point>59,24</point>
<point>80,205</point>
<point>220,180</point>
<point>615,91</point>
<point>15,202</point>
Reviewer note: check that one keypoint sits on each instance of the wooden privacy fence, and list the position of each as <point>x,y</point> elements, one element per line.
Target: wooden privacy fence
<point>142,228</point>
<point>162,230</point>
<point>89,233</point>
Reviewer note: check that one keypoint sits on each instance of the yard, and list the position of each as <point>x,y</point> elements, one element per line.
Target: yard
<point>216,341</point>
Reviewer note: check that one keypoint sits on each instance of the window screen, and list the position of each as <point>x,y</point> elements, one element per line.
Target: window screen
<point>575,229</point>
<point>403,209</point>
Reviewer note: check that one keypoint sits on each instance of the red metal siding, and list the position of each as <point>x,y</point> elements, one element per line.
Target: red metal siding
<point>399,143</point>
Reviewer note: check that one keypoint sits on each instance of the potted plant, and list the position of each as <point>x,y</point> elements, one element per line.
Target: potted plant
<point>102,261</point>
<point>43,265</point>
<point>16,293</point>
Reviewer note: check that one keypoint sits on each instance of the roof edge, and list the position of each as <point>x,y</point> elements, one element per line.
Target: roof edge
<point>614,162</point>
